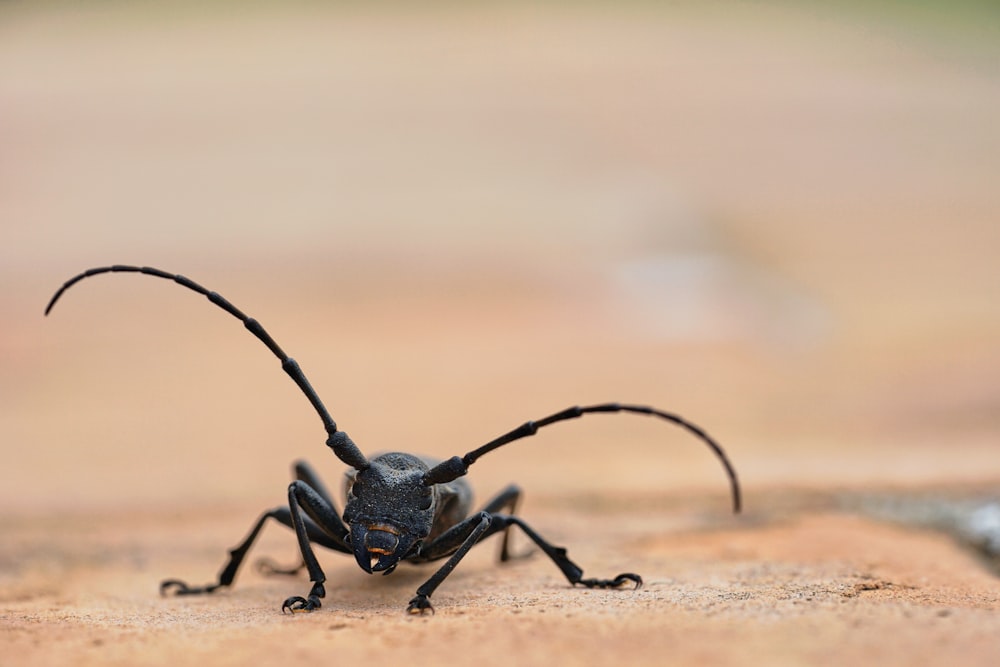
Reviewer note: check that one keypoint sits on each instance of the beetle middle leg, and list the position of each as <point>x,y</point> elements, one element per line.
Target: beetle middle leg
<point>238,553</point>
<point>331,540</point>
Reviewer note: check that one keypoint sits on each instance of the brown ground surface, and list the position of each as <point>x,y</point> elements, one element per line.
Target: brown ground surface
<point>778,221</point>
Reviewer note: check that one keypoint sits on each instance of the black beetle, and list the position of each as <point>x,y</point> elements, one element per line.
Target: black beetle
<point>399,506</point>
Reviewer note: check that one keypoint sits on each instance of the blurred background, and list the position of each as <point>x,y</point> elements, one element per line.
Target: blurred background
<point>777,219</point>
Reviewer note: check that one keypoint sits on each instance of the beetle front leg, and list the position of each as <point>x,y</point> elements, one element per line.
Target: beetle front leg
<point>473,530</point>
<point>303,499</point>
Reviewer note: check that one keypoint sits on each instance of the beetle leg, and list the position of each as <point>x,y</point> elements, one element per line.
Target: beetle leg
<point>572,571</point>
<point>304,472</point>
<point>457,541</point>
<point>331,540</point>
<point>236,556</point>
<point>239,552</point>
<point>303,502</point>
<point>467,532</point>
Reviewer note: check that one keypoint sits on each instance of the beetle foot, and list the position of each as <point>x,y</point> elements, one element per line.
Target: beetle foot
<point>178,587</point>
<point>613,583</point>
<point>297,604</point>
<point>420,604</point>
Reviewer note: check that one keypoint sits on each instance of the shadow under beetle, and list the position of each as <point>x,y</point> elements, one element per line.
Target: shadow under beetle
<point>399,506</point>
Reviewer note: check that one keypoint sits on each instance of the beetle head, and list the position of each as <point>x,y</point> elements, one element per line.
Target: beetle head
<point>389,511</point>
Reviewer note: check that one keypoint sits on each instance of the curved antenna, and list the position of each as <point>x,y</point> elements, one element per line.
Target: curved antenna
<point>337,440</point>
<point>457,466</point>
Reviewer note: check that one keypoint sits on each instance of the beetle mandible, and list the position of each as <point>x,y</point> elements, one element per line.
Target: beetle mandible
<point>399,507</point>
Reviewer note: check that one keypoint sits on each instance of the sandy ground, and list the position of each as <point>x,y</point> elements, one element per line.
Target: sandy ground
<point>813,587</point>
<point>780,222</point>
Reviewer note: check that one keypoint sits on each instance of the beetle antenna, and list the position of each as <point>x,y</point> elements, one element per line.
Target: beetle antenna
<point>457,466</point>
<point>337,440</point>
